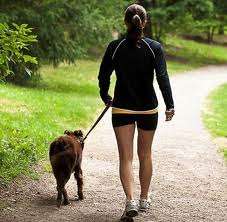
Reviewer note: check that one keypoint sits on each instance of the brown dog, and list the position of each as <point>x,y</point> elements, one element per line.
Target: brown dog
<point>65,157</point>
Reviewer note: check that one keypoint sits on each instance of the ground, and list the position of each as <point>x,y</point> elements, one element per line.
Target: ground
<point>189,175</point>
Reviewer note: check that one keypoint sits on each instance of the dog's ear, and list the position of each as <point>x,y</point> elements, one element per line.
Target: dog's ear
<point>67,132</point>
<point>78,133</point>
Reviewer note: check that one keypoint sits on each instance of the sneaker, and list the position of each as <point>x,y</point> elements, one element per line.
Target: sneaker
<point>131,208</point>
<point>144,204</point>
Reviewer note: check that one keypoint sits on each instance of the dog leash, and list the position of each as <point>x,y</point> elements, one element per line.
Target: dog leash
<point>97,121</point>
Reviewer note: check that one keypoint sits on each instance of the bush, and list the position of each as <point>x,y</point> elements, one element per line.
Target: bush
<point>16,65</point>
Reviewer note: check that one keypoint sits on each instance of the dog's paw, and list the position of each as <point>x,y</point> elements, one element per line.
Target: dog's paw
<point>59,203</point>
<point>127,219</point>
<point>80,196</point>
<point>66,202</point>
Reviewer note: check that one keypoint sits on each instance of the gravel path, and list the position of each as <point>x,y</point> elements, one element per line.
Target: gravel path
<point>189,175</point>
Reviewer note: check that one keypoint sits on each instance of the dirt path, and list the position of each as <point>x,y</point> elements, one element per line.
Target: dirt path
<point>189,175</point>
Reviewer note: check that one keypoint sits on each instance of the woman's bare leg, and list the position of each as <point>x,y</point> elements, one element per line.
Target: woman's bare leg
<point>144,143</point>
<point>124,136</point>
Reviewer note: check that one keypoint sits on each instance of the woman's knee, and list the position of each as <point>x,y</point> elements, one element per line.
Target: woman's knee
<point>126,156</point>
<point>144,144</point>
<point>124,136</point>
<point>144,153</point>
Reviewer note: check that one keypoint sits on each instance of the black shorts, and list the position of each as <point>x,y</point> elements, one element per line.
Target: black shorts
<point>143,121</point>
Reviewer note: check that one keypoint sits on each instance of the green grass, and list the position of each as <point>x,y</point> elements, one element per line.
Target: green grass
<point>175,67</point>
<point>215,117</point>
<point>32,117</point>
<point>194,54</point>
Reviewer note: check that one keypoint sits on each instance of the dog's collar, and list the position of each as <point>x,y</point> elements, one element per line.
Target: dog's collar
<point>80,140</point>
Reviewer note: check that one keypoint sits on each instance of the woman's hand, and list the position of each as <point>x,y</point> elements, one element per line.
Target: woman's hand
<point>108,100</point>
<point>169,114</point>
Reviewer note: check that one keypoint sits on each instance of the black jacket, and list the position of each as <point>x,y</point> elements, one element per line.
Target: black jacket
<point>134,67</point>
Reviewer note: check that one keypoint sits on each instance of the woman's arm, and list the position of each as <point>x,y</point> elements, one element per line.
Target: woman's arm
<point>163,77</point>
<point>106,69</point>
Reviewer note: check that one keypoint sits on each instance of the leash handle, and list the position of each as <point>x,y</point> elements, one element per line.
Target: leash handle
<point>97,121</point>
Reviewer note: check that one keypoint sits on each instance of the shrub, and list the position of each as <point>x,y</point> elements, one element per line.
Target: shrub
<point>16,65</point>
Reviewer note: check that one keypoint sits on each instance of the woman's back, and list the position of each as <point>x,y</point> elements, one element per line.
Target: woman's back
<point>134,65</point>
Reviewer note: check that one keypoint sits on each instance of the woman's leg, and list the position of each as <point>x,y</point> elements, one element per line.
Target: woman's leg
<point>144,143</point>
<point>124,135</point>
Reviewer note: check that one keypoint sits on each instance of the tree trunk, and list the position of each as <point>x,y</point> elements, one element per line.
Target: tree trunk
<point>155,25</point>
<point>148,30</point>
<point>221,30</point>
<point>210,34</point>
<point>208,37</point>
<point>153,3</point>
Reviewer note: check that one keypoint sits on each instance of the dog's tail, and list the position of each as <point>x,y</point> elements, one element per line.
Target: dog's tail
<point>57,146</point>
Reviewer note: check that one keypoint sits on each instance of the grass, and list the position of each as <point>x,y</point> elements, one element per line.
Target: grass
<point>68,99</point>
<point>32,117</point>
<point>216,117</point>
<point>175,67</point>
<point>194,54</point>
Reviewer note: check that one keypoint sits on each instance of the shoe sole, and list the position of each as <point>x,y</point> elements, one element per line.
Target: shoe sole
<point>143,209</point>
<point>132,213</point>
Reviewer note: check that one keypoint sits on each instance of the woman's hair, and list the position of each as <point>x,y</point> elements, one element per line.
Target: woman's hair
<point>135,17</point>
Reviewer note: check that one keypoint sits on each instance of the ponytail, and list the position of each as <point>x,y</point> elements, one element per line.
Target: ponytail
<point>135,17</point>
<point>136,20</point>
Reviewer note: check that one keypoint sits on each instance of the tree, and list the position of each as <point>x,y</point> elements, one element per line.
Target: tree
<point>221,12</point>
<point>166,16</point>
<point>65,29</point>
<point>183,16</point>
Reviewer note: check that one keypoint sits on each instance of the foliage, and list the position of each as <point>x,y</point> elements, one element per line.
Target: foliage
<point>185,16</point>
<point>15,61</point>
<point>66,29</point>
<point>204,16</point>
<point>221,14</point>
<point>216,117</point>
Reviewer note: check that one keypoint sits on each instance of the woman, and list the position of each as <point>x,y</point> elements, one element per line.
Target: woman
<point>134,59</point>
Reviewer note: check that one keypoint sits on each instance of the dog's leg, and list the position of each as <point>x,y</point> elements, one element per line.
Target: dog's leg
<point>59,196</point>
<point>60,186</point>
<point>62,179</point>
<point>66,198</point>
<point>65,195</point>
<point>79,178</point>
